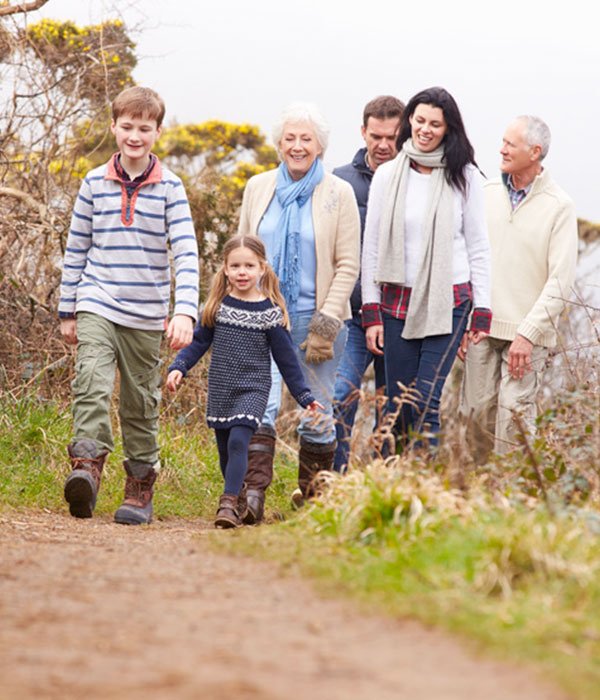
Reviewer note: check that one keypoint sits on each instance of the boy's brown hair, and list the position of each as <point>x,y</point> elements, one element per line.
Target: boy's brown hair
<point>139,102</point>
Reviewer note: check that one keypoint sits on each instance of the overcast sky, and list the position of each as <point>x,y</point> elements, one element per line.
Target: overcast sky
<point>244,60</point>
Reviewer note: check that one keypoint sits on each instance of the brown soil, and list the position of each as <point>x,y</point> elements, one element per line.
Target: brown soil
<point>89,609</point>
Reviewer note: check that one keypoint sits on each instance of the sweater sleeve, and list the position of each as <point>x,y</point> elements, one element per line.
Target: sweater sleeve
<point>477,240</point>
<point>184,245</point>
<point>187,358</point>
<point>284,354</point>
<point>562,259</point>
<point>79,241</point>
<point>346,253</point>
<point>244,225</point>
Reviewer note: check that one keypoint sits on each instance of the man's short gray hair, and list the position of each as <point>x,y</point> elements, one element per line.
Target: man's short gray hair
<point>303,112</point>
<point>537,133</point>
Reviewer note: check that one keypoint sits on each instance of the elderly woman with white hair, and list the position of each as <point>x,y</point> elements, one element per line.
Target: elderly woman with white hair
<point>309,222</point>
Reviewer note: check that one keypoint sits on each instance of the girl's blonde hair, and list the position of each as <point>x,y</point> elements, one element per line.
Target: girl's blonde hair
<point>220,288</point>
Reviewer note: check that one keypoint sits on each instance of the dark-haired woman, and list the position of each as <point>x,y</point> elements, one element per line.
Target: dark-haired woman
<point>426,259</point>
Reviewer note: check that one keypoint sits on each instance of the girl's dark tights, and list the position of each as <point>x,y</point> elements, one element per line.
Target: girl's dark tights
<point>232,444</point>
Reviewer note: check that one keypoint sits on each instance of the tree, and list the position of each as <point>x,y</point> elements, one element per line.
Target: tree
<point>54,127</point>
<point>7,9</point>
<point>63,76</point>
<point>55,78</point>
<point>216,160</point>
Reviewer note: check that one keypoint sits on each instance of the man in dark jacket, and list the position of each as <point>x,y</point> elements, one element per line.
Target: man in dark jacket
<point>381,119</point>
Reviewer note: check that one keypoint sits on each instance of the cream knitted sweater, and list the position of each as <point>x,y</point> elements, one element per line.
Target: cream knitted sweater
<point>534,252</point>
<point>337,236</point>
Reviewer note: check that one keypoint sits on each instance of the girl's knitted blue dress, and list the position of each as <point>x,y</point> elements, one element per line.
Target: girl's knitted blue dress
<point>245,335</point>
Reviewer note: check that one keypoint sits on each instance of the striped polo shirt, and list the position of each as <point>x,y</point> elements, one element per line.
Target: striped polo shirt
<point>121,247</point>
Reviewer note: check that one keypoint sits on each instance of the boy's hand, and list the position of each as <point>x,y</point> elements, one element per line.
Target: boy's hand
<point>68,330</point>
<point>180,331</point>
<point>174,379</point>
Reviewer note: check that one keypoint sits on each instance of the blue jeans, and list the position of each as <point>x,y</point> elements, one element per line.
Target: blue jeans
<point>320,379</point>
<point>353,365</point>
<point>421,364</point>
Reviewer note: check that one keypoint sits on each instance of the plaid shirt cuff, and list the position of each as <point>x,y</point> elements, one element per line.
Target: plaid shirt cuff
<point>371,315</point>
<point>481,320</point>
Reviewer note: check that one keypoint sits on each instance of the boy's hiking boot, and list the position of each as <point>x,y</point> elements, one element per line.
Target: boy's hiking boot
<point>136,508</point>
<point>227,513</point>
<point>83,483</point>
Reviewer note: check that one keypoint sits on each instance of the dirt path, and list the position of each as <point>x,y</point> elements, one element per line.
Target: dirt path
<point>89,609</point>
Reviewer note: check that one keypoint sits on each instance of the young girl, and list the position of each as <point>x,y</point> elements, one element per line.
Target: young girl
<point>245,321</point>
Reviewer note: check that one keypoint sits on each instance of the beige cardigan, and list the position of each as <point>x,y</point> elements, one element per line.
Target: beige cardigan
<point>534,252</point>
<point>336,224</point>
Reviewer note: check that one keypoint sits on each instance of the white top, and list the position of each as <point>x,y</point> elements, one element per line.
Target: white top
<point>471,257</point>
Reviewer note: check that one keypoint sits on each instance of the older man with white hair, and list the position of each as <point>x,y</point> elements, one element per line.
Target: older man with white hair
<point>533,237</point>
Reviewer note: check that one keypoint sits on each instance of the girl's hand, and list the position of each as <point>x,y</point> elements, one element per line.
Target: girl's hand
<point>314,408</point>
<point>174,379</point>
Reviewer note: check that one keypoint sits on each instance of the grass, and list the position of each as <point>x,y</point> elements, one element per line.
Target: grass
<point>507,576</point>
<point>494,566</point>
<point>34,465</point>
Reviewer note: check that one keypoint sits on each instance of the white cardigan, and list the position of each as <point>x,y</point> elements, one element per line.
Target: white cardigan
<point>471,256</point>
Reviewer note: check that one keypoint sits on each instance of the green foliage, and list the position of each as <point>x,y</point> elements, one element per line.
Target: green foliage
<point>215,160</point>
<point>57,81</point>
<point>563,458</point>
<point>34,464</point>
<point>102,55</point>
<point>503,572</point>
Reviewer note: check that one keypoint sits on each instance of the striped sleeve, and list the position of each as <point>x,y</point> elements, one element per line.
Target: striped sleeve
<point>79,242</point>
<point>180,228</point>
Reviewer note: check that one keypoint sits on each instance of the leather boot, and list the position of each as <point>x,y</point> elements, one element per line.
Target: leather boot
<point>259,475</point>
<point>227,512</point>
<point>136,508</point>
<point>313,458</point>
<point>243,501</point>
<point>83,483</point>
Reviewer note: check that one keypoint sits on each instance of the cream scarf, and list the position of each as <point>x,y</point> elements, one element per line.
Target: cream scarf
<point>432,299</point>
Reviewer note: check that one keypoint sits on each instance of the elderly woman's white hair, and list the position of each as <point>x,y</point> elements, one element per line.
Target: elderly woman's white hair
<point>298,112</point>
<point>537,133</point>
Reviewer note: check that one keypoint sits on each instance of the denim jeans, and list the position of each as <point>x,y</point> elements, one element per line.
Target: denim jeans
<point>422,364</point>
<point>353,365</point>
<point>320,379</point>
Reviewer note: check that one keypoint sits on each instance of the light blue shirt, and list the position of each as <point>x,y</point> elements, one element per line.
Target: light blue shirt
<point>267,230</point>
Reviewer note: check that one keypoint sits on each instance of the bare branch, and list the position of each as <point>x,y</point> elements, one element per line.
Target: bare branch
<point>26,199</point>
<point>22,7</point>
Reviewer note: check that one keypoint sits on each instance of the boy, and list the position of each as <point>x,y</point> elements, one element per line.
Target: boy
<point>114,302</point>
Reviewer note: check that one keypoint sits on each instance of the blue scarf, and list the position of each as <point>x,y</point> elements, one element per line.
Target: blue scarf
<point>292,194</point>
